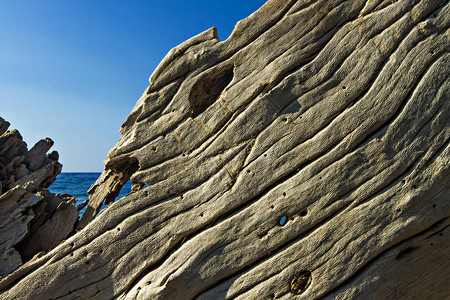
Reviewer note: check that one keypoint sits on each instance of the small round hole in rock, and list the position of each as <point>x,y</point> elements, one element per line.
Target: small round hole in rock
<point>283,220</point>
<point>301,282</point>
<point>303,213</point>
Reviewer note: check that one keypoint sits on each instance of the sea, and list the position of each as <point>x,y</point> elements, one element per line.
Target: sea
<point>77,185</point>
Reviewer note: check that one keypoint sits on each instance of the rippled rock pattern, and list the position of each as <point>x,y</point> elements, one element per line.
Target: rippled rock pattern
<point>306,156</point>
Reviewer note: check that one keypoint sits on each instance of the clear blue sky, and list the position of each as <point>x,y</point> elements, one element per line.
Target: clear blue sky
<point>72,70</point>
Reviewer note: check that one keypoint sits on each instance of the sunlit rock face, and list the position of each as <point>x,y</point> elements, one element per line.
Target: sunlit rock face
<point>306,156</point>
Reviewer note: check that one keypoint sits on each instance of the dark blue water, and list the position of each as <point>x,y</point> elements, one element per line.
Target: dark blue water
<point>77,185</point>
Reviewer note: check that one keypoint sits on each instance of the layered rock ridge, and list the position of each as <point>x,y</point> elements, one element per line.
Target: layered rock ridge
<point>307,156</point>
<point>32,220</point>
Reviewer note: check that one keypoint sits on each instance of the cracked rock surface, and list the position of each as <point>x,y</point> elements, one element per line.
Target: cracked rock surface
<point>307,156</point>
<point>32,220</point>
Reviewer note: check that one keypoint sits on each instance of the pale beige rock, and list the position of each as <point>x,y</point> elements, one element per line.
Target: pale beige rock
<point>55,228</point>
<point>307,156</point>
<point>36,157</point>
<point>15,206</point>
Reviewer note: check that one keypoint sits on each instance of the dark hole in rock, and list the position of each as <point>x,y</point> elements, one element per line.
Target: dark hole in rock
<point>208,89</point>
<point>301,282</point>
<point>303,213</point>
<point>405,252</point>
<point>283,220</point>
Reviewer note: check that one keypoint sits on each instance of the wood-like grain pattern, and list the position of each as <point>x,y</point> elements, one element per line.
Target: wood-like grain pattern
<point>319,169</point>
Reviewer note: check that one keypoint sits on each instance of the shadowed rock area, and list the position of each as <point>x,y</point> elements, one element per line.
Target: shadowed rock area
<point>32,220</point>
<point>307,156</point>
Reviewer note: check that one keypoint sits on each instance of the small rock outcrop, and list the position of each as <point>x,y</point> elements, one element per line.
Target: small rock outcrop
<point>305,157</point>
<point>32,220</point>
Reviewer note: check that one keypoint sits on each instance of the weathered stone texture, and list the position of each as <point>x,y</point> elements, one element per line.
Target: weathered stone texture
<point>32,220</point>
<point>305,157</point>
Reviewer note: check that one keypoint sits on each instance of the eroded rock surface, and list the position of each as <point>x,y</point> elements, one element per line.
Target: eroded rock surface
<point>307,156</point>
<point>32,220</point>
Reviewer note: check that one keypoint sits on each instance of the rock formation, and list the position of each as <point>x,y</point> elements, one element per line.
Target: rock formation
<point>307,156</point>
<point>32,220</point>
